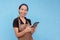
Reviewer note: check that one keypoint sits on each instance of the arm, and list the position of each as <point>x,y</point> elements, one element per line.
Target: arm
<point>15,25</point>
<point>33,30</point>
<point>19,34</point>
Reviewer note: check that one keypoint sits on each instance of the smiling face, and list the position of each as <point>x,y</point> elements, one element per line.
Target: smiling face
<point>23,10</point>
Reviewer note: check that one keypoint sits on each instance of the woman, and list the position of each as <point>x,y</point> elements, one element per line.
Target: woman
<point>22,25</point>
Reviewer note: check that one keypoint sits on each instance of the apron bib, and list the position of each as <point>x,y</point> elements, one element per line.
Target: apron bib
<point>27,36</point>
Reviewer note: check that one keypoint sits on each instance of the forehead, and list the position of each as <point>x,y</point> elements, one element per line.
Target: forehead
<point>23,6</point>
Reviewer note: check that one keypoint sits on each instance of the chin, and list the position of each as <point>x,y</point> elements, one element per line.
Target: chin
<point>23,16</point>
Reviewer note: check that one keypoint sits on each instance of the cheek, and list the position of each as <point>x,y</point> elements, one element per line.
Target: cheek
<point>26,12</point>
<point>20,10</point>
<point>23,12</point>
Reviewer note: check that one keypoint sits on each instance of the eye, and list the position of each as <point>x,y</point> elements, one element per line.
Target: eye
<point>22,9</point>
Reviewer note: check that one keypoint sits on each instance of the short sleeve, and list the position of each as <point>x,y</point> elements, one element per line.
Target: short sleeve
<point>15,22</point>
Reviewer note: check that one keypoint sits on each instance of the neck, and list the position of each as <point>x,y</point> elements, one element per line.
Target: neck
<point>21,17</point>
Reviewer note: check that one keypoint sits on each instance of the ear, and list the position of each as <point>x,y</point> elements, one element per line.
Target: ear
<point>18,11</point>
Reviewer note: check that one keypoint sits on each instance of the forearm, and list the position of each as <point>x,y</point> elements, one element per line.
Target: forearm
<point>19,34</point>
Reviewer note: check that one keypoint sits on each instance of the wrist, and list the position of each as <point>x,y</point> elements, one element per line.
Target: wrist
<point>25,31</point>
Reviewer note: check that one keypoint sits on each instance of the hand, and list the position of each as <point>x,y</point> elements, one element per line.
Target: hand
<point>33,30</point>
<point>28,29</point>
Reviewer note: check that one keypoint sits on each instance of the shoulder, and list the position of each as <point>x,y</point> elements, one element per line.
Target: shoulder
<point>16,19</point>
<point>28,20</point>
<point>15,22</point>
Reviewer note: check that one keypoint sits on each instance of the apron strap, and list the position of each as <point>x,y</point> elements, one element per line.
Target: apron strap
<point>19,24</point>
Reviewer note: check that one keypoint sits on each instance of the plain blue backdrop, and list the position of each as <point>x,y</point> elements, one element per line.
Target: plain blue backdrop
<point>47,12</point>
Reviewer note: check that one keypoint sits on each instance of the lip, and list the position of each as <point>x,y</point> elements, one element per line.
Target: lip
<point>23,13</point>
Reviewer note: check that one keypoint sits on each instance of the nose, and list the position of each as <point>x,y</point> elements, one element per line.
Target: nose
<point>24,11</point>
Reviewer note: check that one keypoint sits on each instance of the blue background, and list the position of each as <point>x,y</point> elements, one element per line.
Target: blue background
<point>47,12</point>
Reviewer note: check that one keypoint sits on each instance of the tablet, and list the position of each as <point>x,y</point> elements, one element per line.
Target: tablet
<point>35,24</point>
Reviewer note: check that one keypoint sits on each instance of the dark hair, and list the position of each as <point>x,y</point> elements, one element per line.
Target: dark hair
<point>24,5</point>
